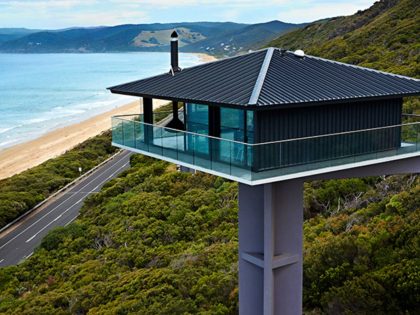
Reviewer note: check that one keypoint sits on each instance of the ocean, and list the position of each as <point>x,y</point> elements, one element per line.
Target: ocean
<point>43,92</point>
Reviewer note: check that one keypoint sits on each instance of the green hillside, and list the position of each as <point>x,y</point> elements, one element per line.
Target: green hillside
<point>156,241</point>
<point>21,192</point>
<point>385,36</point>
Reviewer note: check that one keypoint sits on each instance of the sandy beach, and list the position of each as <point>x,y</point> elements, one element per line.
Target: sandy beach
<point>25,155</point>
<point>206,58</point>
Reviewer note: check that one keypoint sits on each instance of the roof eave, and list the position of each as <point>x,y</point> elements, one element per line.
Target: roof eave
<point>181,99</point>
<point>268,106</point>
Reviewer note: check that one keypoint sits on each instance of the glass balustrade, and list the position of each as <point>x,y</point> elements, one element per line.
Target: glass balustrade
<point>264,160</point>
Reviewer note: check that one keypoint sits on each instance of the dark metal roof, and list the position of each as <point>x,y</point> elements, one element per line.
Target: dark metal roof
<point>272,77</point>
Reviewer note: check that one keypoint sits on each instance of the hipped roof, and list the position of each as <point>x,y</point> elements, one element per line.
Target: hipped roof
<point>272,77</point>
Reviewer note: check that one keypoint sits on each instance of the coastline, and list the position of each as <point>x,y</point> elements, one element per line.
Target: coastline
<point>205,57</point>
<point>29,154</point>
<point>25,155</point>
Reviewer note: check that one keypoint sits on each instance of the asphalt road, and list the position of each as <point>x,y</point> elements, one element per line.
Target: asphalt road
<point>19,241</point>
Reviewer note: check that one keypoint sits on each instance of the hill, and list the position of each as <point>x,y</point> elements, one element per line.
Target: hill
<point>157,241</point>
<point>8,34</point>
<point>250,37</point>
<point>209,37</point>
<point>385,36</point>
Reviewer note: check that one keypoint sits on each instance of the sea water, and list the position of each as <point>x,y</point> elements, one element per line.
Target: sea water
<point>43,92</point>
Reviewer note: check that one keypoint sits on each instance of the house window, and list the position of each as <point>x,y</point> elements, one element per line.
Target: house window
<point>198,122</point>
<point>198,118</point>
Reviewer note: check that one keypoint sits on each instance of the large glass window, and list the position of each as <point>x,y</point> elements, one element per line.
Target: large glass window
<point>198,118</point>
<point>232,124</point>
<point>233,128</point>
<point>235,124</point>
<point>198,122</point>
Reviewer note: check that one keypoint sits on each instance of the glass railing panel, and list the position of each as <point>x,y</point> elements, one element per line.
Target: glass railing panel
<point>170,143</point>
<point>185,148</point>
<point>154,139</point>
<point>202,151</point>
<point>128,133</point>
<point>117,136</point>
<point>221,155</point>
<point>240,164</point>
<point>140,136</point>
<point>260,161</point>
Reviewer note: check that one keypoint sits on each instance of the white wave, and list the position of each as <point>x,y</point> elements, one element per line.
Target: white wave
<point>3,130</point>
<point>7,143</point>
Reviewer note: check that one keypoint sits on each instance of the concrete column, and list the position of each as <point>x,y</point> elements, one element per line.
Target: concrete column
<point>270,248</point>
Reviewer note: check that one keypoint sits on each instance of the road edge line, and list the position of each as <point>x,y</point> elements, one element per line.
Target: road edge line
<point>72,183</point>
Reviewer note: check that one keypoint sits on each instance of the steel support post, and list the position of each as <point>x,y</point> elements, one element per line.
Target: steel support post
<point>270,248</point>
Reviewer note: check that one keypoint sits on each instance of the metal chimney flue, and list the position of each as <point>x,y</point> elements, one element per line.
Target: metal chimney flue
<point>174,53</point>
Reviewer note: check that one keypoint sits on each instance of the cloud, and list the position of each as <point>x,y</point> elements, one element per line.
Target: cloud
<point>48,14</point>
<point>105,18</point>
<point>200,3</point>
<point>67,13</point>
<point>44,4</point>
<point>229,15</point>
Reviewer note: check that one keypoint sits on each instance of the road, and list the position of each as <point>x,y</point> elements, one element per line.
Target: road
<point>19,241</point>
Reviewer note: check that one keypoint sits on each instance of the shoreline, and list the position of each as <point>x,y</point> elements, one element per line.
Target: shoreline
<point>28,154</point>
<point>205,57</point>
<point>25,155</point>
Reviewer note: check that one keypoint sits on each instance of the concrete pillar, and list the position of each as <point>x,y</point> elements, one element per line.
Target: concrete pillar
<point>270,248</point>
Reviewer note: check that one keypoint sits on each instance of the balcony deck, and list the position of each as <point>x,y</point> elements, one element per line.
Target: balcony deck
<point>289,158</point>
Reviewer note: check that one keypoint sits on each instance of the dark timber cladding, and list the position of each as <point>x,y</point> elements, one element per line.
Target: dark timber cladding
<point>274,79</point>
<point>292,123</point>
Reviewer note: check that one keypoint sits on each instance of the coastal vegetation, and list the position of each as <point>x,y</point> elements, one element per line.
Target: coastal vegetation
<point>384,37</point>
<point>157,241</point>
<point>23,191</point>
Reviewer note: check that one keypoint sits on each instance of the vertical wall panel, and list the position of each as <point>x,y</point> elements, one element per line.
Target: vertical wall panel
<point>282,124</point>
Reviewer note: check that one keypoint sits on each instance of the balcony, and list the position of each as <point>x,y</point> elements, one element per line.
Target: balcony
<point>266,162</point>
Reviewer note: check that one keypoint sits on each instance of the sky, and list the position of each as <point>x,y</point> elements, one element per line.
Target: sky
<point>57,14</point>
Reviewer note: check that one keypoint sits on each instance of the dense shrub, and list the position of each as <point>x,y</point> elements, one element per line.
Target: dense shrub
<point>23,191</point>
<point>384,37</point>
<point>157,241</point>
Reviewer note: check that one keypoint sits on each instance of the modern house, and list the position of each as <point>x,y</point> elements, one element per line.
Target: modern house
<point>257,117</point>
<point>270,120</point>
